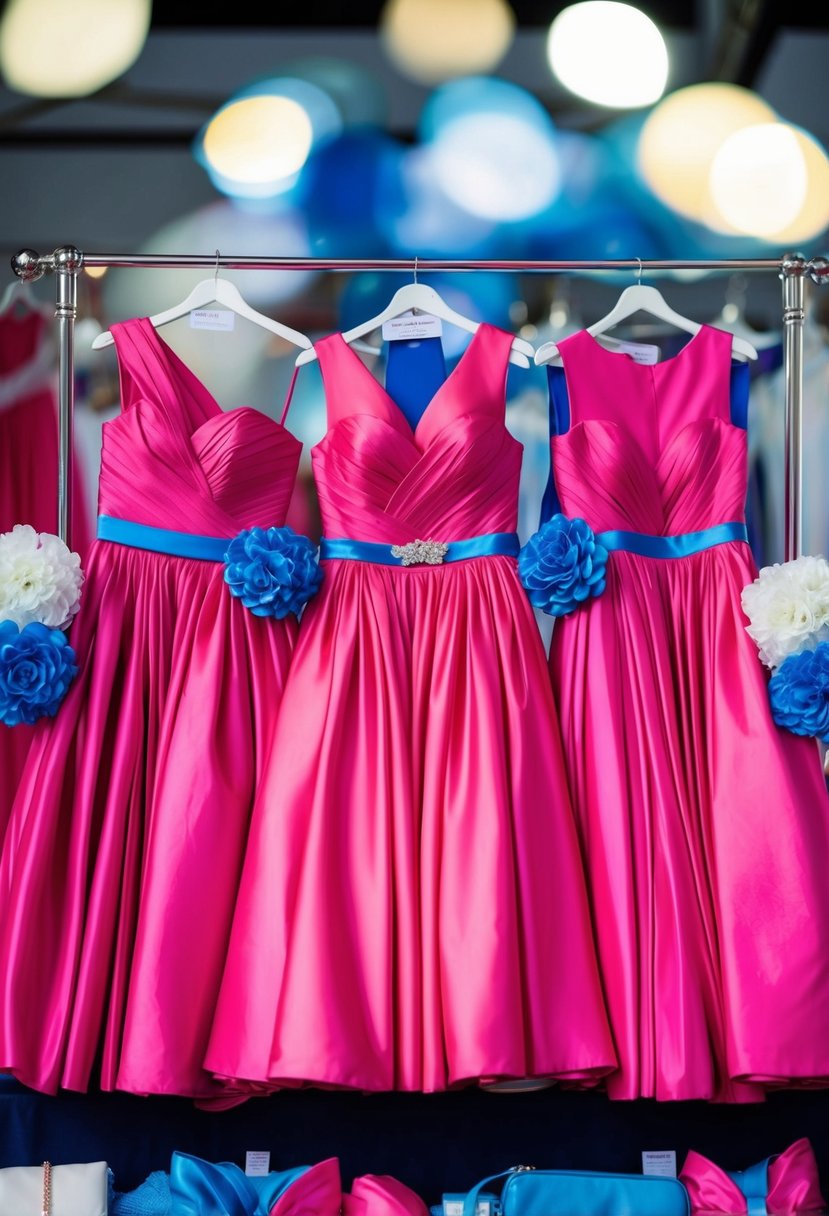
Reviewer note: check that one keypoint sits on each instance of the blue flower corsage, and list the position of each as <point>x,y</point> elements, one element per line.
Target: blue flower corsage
<point>562,565</point>
<point>273,571</point>
<point>799,693</point>
<point>37,665</point>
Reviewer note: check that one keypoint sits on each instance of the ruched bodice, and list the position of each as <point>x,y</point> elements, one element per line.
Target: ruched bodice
<point>650,448</point>
<point>455,475</point>
<point>175,459</point>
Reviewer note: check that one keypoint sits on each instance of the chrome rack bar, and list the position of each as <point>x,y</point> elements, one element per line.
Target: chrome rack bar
<point>67,263</point>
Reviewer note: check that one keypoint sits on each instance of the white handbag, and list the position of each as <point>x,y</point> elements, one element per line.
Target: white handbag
<point>54,1190</point>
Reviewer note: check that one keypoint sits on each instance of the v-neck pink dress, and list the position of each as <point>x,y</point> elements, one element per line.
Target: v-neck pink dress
<point>125,845</point>
<point>705,828</point>
<point>412,913</point>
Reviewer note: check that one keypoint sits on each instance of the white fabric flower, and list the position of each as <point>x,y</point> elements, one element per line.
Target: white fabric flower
<point>788,608</point>
<point>40,579</point>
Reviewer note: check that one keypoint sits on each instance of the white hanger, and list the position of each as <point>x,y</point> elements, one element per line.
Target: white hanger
<point>218,291</point>
<point>20,292</point>
<point>419,297</point>
<point>640,297</point>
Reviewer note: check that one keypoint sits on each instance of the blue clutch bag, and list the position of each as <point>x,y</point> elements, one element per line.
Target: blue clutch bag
<point>531,1192</point>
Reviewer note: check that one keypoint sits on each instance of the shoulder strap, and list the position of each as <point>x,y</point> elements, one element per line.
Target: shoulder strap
<point>289,396</point>
<point>470,1203</point>
<point>142,370</point>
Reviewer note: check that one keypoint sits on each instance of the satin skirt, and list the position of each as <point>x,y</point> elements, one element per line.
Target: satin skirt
<point>412,913</point>
<point>28,495</point>
<point>705,831</point>
<point>125,845</point>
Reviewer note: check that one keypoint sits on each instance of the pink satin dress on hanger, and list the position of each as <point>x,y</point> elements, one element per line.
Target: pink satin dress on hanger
<point>704,827</point>
<point>125,846</point>
<point>412,913</point>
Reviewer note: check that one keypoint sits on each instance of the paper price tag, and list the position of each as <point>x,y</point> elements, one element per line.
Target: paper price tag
<point>661,1163</point>
<point>213,318</point>
<point>257,1164</point>
<point>412,325</point>
<point>639,352</point>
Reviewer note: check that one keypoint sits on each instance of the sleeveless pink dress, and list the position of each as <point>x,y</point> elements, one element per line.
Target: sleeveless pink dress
<point>412,913</point>
<point>29,477</point>
<point>705,828</point>
<point>125,845</point>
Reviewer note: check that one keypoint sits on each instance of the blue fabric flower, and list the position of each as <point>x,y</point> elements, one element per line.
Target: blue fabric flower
<point>562,565</point>
<point>799,693</point>
<point>273,571</point>
<point>37,665</point>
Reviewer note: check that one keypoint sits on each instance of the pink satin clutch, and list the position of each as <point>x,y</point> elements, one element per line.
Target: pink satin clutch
<point>778,1186</point>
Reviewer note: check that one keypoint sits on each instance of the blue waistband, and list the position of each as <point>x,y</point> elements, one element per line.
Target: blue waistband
<point>160,540</point>
<point>492,544</point>
<point>672,546</point>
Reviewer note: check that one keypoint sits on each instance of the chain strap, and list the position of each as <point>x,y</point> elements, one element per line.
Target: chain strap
<point>47,1189</point>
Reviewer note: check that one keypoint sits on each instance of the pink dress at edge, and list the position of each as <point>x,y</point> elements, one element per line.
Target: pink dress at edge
<point>28,476</point>
<point>125,845</point>
<point>705,828</point>
<point>412,913</point>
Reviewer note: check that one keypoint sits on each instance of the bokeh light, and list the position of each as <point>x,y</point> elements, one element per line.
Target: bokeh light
<point>609,53</point>
<point>492,148</point>
<point>681,137</point>
<point>256,143</point>
<point>433,41</point>
<point>51,48</point>
<point>772,181</point>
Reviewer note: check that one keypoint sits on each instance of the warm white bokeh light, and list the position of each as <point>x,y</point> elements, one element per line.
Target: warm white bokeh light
<point>813,217</point>
<point>682,136</point>
<point>95,272</point>
<point>758,179</point>
<point>497,166</point>
<point>437,40</point>
<point>54,48</point>
<point>611,54</point>
<point>259,139</point>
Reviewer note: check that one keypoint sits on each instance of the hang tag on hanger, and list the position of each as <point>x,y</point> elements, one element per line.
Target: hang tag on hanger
<point>659,1163</point>
<point>411,325</point>
<point>221,319</point>
<point>257,1163</point>
<point>639,352</point>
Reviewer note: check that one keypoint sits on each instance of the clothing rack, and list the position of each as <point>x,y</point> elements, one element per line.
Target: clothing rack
<point>792,268</point>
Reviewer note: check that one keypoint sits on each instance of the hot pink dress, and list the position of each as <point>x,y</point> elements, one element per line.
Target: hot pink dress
<point>412,913</point>
<point>705,828</point>
<point>28,476</point>
<point>126,840</point>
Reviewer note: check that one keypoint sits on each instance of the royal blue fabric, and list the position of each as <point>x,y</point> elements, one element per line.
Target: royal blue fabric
<point>161,540</point>
<point>682,545</point>
<point>415,370</point>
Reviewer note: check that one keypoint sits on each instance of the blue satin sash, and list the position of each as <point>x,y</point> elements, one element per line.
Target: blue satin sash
<point>160,540</point>
<point>223,1189</point>
<point>683,545</point>
<point>754,1183</point>
<point>491,544</point>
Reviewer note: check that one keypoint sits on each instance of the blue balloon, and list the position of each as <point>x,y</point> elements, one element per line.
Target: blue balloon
<point>346,183</point>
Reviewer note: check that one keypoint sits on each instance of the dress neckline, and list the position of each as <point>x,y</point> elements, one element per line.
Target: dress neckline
<point>436,396</point>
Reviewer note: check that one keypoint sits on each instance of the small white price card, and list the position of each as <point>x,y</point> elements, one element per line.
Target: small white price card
<point>257,1164</point>
<point>661,1162</point>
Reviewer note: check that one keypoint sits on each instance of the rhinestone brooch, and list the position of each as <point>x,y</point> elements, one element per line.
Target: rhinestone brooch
<point>421,552</point>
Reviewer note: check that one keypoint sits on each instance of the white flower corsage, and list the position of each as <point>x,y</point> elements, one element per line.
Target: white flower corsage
<point>40,588</point>
<point>788,610</point>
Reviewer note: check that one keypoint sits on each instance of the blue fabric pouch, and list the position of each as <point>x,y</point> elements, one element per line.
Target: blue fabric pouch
<point>531,1192</point>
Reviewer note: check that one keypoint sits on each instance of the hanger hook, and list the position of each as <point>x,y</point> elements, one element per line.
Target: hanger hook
<point>216,270</point>
<point>414,271</point>
<point>639,273</point>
